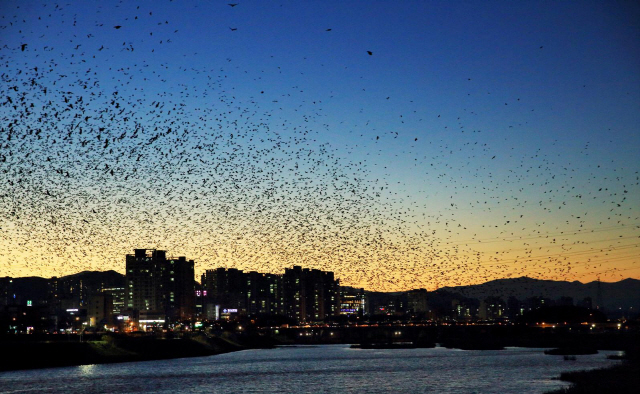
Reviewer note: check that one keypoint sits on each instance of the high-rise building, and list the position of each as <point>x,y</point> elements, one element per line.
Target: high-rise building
<point>118,296</point>
<point>301,294</point>
<point>143,279</point>
<point>157,286</point>
<point>68,288</point>
<point>226,288</point>
<point>352,301</point>
<point>309,294</point>
<point>6,291</point>
<point>251,293</point>
<point>264,293</point>
<point>295,293</point>
<point>417,301</point>
<point>100,310</point>
<point>178,288</point>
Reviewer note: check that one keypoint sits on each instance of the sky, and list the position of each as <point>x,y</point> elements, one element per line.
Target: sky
<point>414,144</point>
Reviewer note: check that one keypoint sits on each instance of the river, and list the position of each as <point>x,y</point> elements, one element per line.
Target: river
<point>316,369</point>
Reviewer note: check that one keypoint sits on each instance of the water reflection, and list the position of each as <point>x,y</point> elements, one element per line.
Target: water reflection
<point>322,369</point>
<point>87,370</point>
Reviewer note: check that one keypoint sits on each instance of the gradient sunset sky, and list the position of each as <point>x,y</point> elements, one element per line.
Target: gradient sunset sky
<point>400,144</point>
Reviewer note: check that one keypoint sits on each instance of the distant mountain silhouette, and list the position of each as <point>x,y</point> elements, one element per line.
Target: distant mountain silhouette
<point>623,295</point>
<point>94,279</point>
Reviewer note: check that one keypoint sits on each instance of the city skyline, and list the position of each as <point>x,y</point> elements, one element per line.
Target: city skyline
<point>149,295</point>
<point>413,145</point>
<point>144,256</point>
<point>202,272</point>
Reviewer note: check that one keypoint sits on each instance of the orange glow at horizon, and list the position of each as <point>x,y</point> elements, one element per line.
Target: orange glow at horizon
<point>605,255</point>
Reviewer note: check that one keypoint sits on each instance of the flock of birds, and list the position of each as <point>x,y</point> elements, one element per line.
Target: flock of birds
<point>103,150</point>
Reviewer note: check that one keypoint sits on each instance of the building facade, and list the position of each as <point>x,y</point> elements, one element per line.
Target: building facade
<point>309,294</point>
<point>301,294</point>
<point>158,288</point>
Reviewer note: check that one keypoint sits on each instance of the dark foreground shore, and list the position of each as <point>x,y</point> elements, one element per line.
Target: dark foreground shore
<point>620,379</point>
<point>623,378</point>
<point>108,349</point>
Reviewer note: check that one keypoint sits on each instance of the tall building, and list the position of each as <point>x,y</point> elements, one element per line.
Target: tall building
<point>417,301</point>
<point>6,291</point>
<point>352,301</point>
<point>158,287</point>
<point>492,308</point>
<point>226,288</point>
<point>294,293</point>
<point>100,310</point>
<point>118,296</point>
<point>250,293</point>
<point>178,289</point>
<point>68,288</point>
<point>264,293</point>
<point>143,280</point>
<point>309,294</point>
<point>302,294</point>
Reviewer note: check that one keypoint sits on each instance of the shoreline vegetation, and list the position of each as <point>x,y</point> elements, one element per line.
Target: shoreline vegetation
<point>107,349</point>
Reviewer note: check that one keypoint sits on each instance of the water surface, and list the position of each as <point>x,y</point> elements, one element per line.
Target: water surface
<point>316,369</point>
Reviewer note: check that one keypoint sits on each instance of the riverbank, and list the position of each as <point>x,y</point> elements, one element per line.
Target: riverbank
<point>467,337</point>
<point>109,349</point>
<point>620,379</point>
<point>46,351</point>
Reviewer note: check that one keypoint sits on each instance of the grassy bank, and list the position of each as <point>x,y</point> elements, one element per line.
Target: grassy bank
<point>111,349</point>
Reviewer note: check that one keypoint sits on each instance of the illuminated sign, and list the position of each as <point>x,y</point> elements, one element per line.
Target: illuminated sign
<point>29,303</point>
<point>152,321</point>
<point>72,310</point>
<point>229,311</point>
<point>198,324</point>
